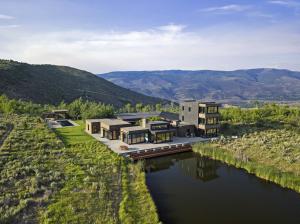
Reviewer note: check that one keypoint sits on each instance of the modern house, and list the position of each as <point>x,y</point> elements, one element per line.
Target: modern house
<point>135,135</point>
<point>135,118</point>
<point>195,119</point>
<point>203,115</point>
<point>110,128</point>
<point>161,131</point>
<point>92,126</point>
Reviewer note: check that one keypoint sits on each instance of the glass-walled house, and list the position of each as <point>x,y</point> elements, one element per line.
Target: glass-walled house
<point>135,135</point>
<point>161,131</point>
<point>110,128</point>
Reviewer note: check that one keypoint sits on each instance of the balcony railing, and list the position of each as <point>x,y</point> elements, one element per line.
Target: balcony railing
<point>208,126</point>
<point>209,115</point>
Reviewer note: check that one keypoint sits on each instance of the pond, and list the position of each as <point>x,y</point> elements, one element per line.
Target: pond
<point>188,188</point>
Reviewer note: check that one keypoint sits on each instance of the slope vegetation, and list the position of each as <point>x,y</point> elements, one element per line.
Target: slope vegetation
<point>52,84</point>
<point>231,86</point>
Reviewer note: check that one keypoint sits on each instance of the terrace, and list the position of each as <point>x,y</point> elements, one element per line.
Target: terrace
<point>115,145</point>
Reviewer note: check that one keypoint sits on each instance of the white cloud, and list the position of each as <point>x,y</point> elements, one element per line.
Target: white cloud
<point>5,17</point>
<point>9,26</point>
<point>227,8</point>
<point>172,28</point>
<point>165,47</point>
<point>286,3</point>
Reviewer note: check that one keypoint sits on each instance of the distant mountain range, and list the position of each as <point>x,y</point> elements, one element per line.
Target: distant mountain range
<point>52,84</point>
<point>226,86</point>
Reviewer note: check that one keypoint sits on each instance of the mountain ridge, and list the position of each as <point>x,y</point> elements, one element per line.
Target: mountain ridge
<point>229,86</point>
<point>51,84</point>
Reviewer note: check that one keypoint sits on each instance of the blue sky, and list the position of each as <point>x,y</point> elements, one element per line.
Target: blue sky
<point>102,36</point>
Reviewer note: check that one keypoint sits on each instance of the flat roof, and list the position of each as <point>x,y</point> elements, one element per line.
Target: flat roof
<point>183,123</point>
<point>169,116</point>
<point>204,103</point>
<point>158,122</point>
<point>209,103</point>
<point>112,122</point>
<point>135,116</point>
<point>134,128</point>
<point>163,131</point>
<point>93,120</point>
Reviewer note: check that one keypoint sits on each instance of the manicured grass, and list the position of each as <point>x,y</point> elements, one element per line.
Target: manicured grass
<point>75,134</point>
<point>108,188</point>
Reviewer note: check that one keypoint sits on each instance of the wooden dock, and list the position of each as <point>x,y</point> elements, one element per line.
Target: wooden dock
<point>156,152</point>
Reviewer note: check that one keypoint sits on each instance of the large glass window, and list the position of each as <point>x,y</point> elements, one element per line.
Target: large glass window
<point>107,134</point>
<point>159,127</point>
<point>202,110</point>
<point>135,138</point>
<point>212,110</point>
<point>212,120</point>
<point>163,137</point>
<point>201,121</point>
<point>212,132</point>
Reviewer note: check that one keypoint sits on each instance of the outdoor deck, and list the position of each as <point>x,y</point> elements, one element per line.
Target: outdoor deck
<point>149,150</point>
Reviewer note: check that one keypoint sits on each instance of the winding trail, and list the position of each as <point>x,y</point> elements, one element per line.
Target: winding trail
<point>10,127</point>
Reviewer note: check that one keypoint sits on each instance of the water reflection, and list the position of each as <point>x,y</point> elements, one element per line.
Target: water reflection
<point>190,164</point>
<point>188,188</point>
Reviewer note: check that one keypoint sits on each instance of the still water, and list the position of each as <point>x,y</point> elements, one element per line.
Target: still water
<point>188,188</point>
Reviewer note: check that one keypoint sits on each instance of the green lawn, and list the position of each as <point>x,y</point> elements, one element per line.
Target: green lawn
<point>117,192</point>
<point>75,134</point>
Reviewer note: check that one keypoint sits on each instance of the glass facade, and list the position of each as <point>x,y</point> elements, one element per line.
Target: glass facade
<point>209,110</point>
<point>211,120</point>
<point>163,137</point>
<point>135,138</point>
<point>159,127</point>
<point>112,135</point>
<point>212,110</point>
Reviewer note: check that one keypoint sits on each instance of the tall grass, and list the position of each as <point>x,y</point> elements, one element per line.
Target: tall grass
<point>270,173</point>
<point>137,205</point>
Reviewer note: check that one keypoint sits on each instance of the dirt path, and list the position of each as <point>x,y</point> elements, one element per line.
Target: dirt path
<point>9,128</point>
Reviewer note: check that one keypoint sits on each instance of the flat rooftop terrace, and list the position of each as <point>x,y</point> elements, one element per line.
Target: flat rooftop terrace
<point>112,122</point>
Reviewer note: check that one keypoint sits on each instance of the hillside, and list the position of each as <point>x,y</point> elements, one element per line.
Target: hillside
<point>52,84</point>
<point>230,86</point>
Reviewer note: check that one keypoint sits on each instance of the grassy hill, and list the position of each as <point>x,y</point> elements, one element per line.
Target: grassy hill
<point>52,84</point>
<point>228,86</point>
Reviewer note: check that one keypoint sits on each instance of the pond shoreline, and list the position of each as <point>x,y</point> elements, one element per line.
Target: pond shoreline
<point>284,179</point>
<point>191,188</point>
